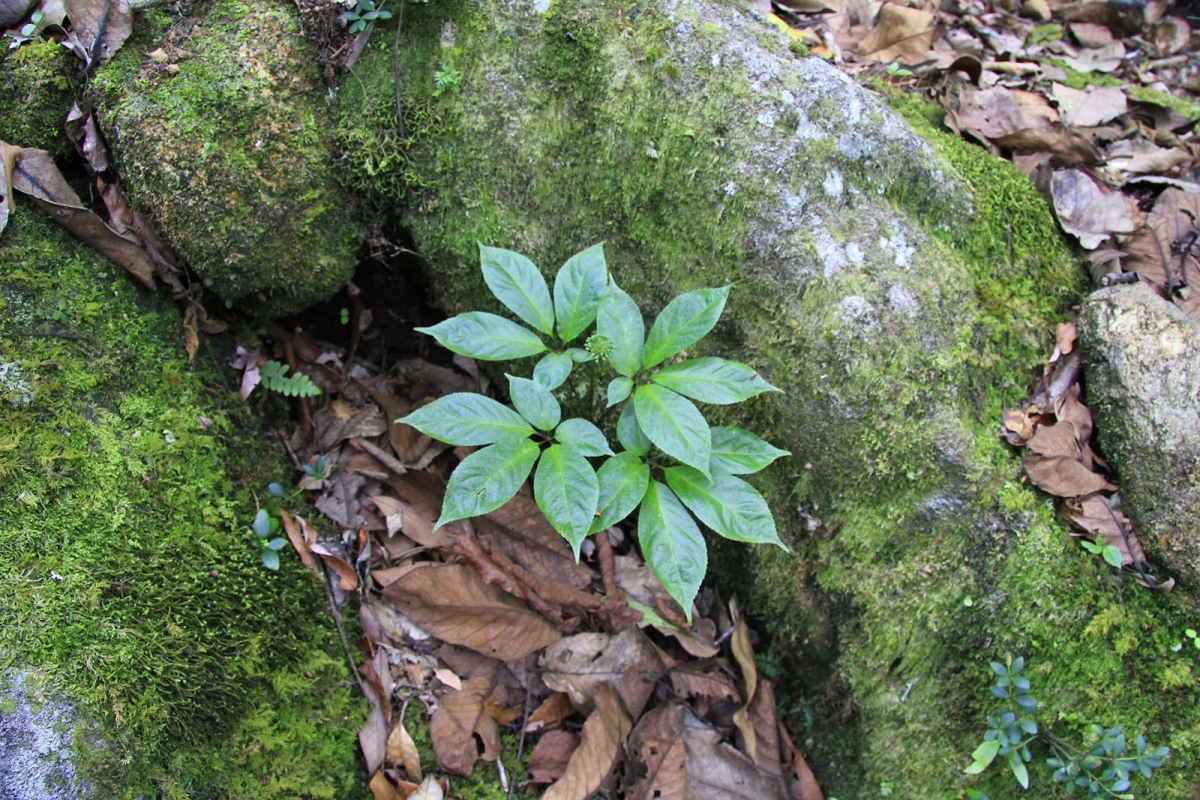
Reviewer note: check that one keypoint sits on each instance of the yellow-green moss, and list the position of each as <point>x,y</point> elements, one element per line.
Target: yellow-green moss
<point>35,95</point>
<point>131,580</point>
<point>231,152</point>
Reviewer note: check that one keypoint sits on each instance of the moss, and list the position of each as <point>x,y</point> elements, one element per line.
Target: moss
<point>35,96</point>
<point>229,149</point>
<point>1188,108</point>
<point>131,581</point>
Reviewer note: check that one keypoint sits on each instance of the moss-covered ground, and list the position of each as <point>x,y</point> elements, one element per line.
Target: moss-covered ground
<point>130,582</point>
<point>36,95</point>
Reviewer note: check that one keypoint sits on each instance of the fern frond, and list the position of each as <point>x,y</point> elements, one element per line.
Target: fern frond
<point>274,377</point>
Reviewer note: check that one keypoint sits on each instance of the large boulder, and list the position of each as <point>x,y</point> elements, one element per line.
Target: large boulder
<point>900,294</point>
<point>144,649</point>
<point>221,134</point>
<point>1143,386</point>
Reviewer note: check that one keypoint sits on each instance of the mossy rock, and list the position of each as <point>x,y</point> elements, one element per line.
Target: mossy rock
<point>900,289</point>
<point>36,95</point>
<point>132,588</point>
<point>228,147</point>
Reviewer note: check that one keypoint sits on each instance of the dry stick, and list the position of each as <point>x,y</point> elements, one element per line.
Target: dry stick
<point>288,446</point>
<point>341,628</point>
<point>396,70</point>
<point>385,458</point>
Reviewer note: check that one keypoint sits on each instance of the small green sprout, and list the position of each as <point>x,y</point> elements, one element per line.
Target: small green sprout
<point>446,81</point>
<point>366,11</point>
<point>30,28</point>
<point>1109,553</point>
<point>264,526</point>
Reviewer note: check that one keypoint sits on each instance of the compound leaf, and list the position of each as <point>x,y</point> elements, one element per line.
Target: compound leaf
<point>468,419</point>
<point>584,437</point>
<point>620,320</point>
<point>630,434</point>
<point>713,380</point>
<point>739,452</point>
<point>728,505</point>
<point>487,479</point>
<point>672,544</point>
<point>618,389</point>
<point>623,481</point>
<point>577,291</point>
<point>519,285</point>
<point>534,402</point>
<point>674,425</point>
<point>553,370</point>
<point>485,336</point>
<point>566,490</point>
<point>684,321</point>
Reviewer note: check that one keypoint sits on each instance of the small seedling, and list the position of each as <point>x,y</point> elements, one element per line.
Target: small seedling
<point>315,471</point>
<point>1191,634</point>
<point>446,81</point>
<point>30,28</point>
<point>366,11</point>
<point>1110,554</point>
<point>264,526</point>
<point>896,71</point>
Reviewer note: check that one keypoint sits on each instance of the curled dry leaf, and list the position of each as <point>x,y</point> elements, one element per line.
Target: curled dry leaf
<point>580,665</point>
<point>799,779</point>
<point>372,737</point>
<point>699,680</point>
<point>429,789</point>
<point>902,34</point>
<point>347,577</point>
<point>600,743</point>
<point>382,789</point>
<point>1056,462</point>
<point>1096,515</point>
<point>1064,337</point>
<point>402,751</point>
<point>761,713</point>
<point>302,539</point>
<point>551,756</point>
<point>81,129</point>
<point>458,718</point>
<point>551,713</point>
<point>1165,252</point>
<point>452,603</point>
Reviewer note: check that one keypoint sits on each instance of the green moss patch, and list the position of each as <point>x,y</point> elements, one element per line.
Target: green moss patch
<point>131,581</point>
<point>35,96</point>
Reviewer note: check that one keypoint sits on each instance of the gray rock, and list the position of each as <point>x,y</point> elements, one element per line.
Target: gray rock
<point>1142,361</point>
<point>13,11</point>
<point>35,744</point>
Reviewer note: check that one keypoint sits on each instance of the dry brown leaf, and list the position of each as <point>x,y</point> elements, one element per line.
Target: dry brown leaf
<point>580,665</point>
<point>35,174</point>
<point>1055,462</point>
<point>762,716</point>
<point>191,336</point>
<point>697,680</point>
<point>372,737</point>
<point>717,771</point>
<point>299,535</point>
<point>8,157</point>
<point>550,757</point>
<point>458,718</point>
<point>1019,426</point>
<point>422,494</point>
<point>551,713</point>
<point>81,129</point>
<point>402,751</point>
<point>1089,34</point>
<point>531,541</point>
<point>347,576</point>
<point>743,653</point>
<point>658,754</point>
<point>992,113</point>
<point>1096,515</point>
<point>466,663</point>
<point>1149,159</point>
<point>1171,35</point>
<point>1064,337</point>
<point>1097,59</point>
<point>382,789</point>
<point>901,34</point>
<point>1159,253</point>
<point>799,779</point>
<point>1089,210</point>
<point>1097,106</point>
<point>600,743</point>
<point>429,789</point>
<point>1068,148</point>
<point>99,27</point>
<point>452,603</point>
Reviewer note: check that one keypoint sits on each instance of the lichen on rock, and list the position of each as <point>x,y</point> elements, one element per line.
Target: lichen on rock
<point>223,138</point>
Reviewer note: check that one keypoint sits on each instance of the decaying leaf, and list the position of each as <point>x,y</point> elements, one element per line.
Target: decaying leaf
<point>458,718</point>
<point>81,129</point>
<point>1096,515</point>
<point>451,602</point>
<point>902,34</point>
<point>551,713</point>
<point>1096,106</point>
<point>799,779</point>
<point>696,680</point>
<point>717,771</point>
<point>658,754</point>
<point>402,751</point>
<point>551,755</point>
<point>762,715</point>
<point>347,576</point>
<point>99,27</point>
<point>1055,462</point>
<point>1097,59</point>
<point>372,737</point>
<point>429,789</point>
<point>992,113</point>
<point>600,743</point>
<point>580,665</point>
<point>382,789</point>
<point>34,174</point>
<point>1165,252</point>
<point>1088,210</point>
<point>531,541</point>
<point>302,539</point>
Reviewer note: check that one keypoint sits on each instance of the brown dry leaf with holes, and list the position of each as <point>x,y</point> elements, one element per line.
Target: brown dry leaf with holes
<point>1096,515</point>
<point>551,713</point>
<point>658,754</point>
<point>452,603</point>
<point>99,27</point>
<point>901,34</point>
<point>581,665</point>
<point>1166,252</point>
<point>551,756</point>
<point>382,789</point>
<point>1055,462</point>
<point>402,751</point>
<point>600,744</point>
<point>459,716</point>
<point>35,174</point>
<point>700,680</point>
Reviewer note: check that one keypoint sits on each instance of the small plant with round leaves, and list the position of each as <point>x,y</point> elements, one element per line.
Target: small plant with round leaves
<point>364,12</point>
<point>1104,768</point>
<point>673,468</point>
<point>269,545</point>
<point>1110,554</point>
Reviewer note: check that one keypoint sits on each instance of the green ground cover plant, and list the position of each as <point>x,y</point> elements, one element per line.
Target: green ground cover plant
<point>673,466</point>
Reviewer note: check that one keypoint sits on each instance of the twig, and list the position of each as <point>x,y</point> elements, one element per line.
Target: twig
<point>512,784</point>
<point>388,460</point>
<point>396,70</point>
<point>288,446</point>
<point>341,628</point>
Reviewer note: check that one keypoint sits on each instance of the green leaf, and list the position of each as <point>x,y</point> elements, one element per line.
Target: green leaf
<point>623,482</point>
<point>567,491</point>
<point>270,559</point>
<point>984,755</point>
<point>579,355</point>
<point>277,544</point>
<point>739,452</point>
<point>485,336</point>
<point>713,380</point>
<point>534,402</point>
<point>262,524</point>
<point>1018,769</point>
<point>487,479</point>
<point>728,505</point>
<point>518,284</point>
<point>1113,556</point>
<point>619,389</point>
<point>584,437</point>
<point>672,544</point>
<point>674,425</point>
<point>619,319</point>
<point>468,419</point>
<point>630,434</point>
<point>684,321</point>
<point>577,291</point>
<point>553,370</point>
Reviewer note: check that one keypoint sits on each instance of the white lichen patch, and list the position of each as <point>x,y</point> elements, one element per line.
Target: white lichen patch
<point>857,313</point>
<point>35,745</point>
<point>833,184</point>
<point>902,301</point>
<point>14,387</point>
